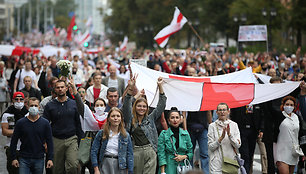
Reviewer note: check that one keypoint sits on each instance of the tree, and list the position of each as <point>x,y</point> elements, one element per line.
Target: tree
<point>62,8</point>
<point>298,21</point>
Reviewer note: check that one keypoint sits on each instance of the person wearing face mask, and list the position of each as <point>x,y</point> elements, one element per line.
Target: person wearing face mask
<point>33,131</point>
<point>287,137</point>
<point>175,151</point>
<point>91,122</point>
<point>9,118</point>
<point>223,139</point>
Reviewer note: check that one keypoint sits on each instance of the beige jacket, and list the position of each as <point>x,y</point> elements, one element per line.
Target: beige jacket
<point>214,147</point>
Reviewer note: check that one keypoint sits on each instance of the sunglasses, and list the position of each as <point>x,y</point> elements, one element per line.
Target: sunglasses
<point>18,99</point>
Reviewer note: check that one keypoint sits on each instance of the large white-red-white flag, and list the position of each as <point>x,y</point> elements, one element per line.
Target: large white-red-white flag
<point>205,93</point>
<point>11,50</point>
<point>124,44</point>
<point>176,24</point>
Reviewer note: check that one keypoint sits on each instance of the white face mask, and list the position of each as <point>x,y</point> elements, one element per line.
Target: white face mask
<point>288,109</point>
<point>18,105</point>
<point>99,110</point>
<point>33,111</point>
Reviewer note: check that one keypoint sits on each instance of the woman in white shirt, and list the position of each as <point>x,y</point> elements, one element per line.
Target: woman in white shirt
<point>223,137</point>
<point>287,131</point>
<point>112,149</point>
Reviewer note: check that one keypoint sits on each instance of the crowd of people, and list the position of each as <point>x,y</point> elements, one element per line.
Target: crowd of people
<point>98,119</point>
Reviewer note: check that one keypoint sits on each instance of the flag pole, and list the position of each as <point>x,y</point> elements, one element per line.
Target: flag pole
<point>196,33</point>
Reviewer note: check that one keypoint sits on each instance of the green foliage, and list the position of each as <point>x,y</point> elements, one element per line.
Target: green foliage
<point>62,21</point>
<point>142,19</point>
<point>61,11</point>
<point>63,7</point>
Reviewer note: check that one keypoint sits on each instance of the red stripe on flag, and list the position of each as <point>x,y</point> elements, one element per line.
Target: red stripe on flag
<point>179,18</point>
<point>87,36</point>
<point>189,79</point>
<point>233,94</point>
<point>19,50</point>
<point>162,39</point>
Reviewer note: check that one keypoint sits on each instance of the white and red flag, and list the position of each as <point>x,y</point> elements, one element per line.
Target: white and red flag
<point>85,37</point>
<point>124,44</point>
<point>11,50</point>
<point>176,24</point>
<point>205,93</point>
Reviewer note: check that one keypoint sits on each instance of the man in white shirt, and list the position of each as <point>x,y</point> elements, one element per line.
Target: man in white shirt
<point>27,71</point>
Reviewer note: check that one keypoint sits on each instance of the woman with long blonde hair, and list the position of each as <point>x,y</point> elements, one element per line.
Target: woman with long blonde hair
<point>112,151</point>
<point>142,128</point>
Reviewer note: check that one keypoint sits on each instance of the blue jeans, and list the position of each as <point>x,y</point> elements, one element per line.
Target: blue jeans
<point>31,166</point>
<point>202,141</point>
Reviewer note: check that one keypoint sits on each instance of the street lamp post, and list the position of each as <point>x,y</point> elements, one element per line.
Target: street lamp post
<point>242,20</point>
<point>271,13</point>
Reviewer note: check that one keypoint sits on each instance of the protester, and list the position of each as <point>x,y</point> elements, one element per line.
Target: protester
<point>174,145</point>
<point>271,113</point>
<point>66,129</point>
<point>33,131</point>
<point>91,122</point>
<point>8,122</point>
<point>142,128</point>
<point>112,149</point>
<point>113,99</point>
<point>250,122</point>
<point>114,81</point>
<point>33,92</point>
<point>46,85</point>
<point>287,137</point>
<point>223,139</point>
<point>21,74</point>
<point>98,90</point>
<point>289,66</point>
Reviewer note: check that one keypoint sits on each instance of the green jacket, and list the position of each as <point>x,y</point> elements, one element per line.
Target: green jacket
<point>165,149</point>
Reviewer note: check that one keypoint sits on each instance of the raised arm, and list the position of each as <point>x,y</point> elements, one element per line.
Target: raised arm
<point>156,113</point>
<point>78,100</point>
<point>127,103</point>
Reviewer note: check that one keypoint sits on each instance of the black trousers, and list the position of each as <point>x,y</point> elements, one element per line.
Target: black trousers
<point>247,148</point>
<point>270,157</point>
<point>11,169</point>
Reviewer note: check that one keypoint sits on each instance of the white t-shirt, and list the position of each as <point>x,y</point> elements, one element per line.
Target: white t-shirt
<point>9,118</point>
<point>25,73</point>
<point>112,145</point>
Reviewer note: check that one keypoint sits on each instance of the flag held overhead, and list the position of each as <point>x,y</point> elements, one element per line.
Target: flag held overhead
<point>176,24</point>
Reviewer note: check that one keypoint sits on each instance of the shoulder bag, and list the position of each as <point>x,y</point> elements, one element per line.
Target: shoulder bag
<point>84,148</point>
<point>182,169</point>
<point>229,166</point>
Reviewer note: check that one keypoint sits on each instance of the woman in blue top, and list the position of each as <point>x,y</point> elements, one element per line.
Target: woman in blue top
<point>112,150</point>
